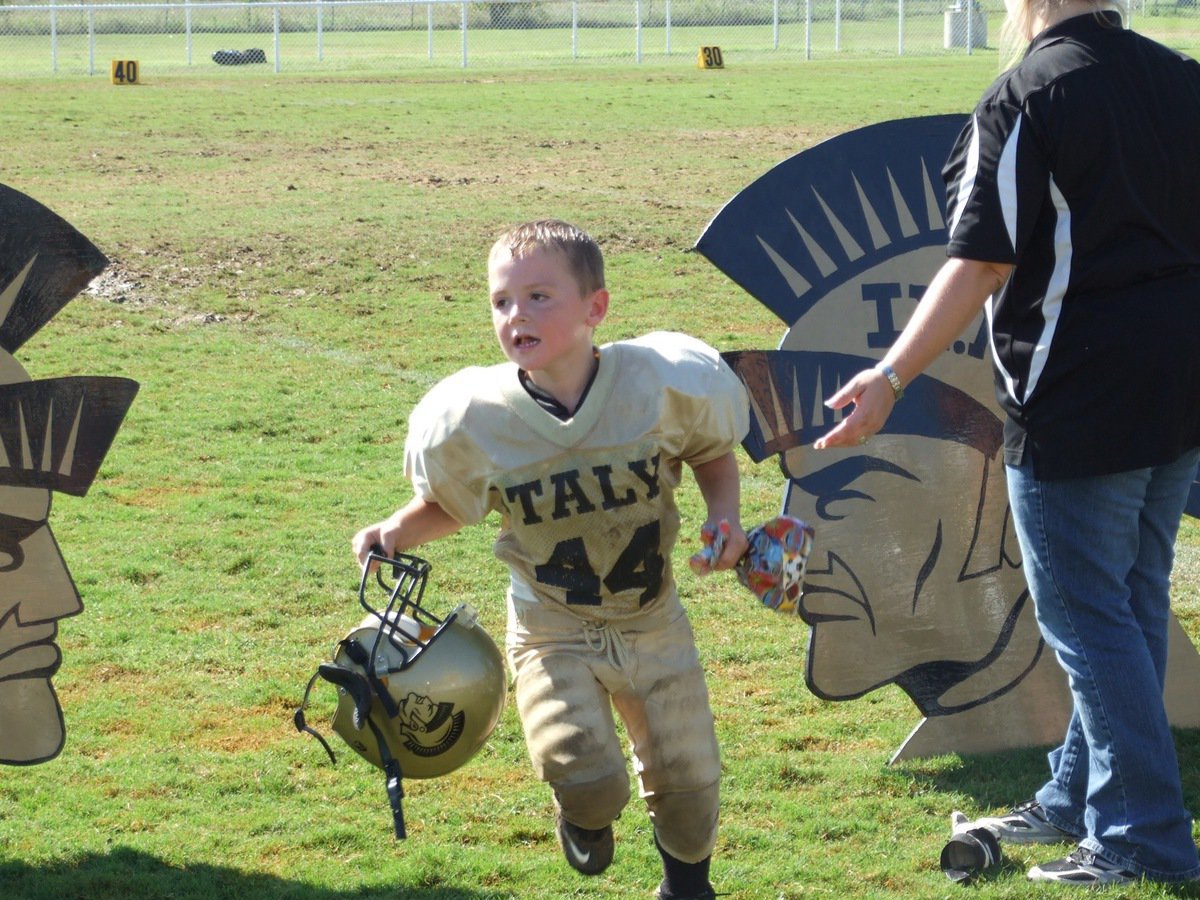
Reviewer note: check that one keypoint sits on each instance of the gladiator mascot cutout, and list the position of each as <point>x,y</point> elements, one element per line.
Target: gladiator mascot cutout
<point>915,575</point>
<point>54,433</point>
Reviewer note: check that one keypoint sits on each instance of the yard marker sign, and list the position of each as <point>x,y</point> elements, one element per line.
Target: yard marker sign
<point>124,71</point>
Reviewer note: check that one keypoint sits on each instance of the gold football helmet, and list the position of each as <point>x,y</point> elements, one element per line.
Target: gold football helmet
<point>417,695</point>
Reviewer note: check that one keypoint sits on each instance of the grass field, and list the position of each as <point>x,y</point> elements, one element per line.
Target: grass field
<point>294,262</point>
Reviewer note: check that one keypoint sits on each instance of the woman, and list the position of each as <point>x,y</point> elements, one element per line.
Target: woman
<point>1074,213</point>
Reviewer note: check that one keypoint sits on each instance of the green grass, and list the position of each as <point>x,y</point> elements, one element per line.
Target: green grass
<point>295,261</point>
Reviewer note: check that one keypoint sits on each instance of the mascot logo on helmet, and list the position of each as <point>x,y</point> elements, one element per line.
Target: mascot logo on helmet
<point>429,728</point>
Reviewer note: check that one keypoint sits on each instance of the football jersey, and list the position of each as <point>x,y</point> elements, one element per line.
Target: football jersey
<point>587,505</point>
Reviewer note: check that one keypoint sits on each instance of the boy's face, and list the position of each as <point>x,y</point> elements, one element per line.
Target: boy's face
<point>542,318</point>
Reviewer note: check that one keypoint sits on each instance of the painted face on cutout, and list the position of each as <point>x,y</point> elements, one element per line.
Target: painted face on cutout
<point>54,434</point>
<point>907,584</point>
<point>36,591</point>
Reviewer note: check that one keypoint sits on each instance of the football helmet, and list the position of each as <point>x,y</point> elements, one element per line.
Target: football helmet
<point>417,695</point>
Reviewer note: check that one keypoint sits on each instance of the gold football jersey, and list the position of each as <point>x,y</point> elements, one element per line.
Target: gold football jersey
<point>588,504</point>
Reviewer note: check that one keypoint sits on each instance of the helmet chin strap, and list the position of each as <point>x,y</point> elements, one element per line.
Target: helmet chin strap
<point>303,726</point>
<point>357,687</point>
<point>393,777</point>
<point>354,685</point>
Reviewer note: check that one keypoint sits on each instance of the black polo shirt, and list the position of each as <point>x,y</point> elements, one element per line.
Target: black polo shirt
<point>1081,166</point>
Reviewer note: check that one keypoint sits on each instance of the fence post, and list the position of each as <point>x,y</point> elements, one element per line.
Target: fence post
<point>464,35</point>
<point>900,29</point>
<point>970,27</point>
<point>574,29</point>
<point>667,24</point>
<point>837,25</point>
<point>321,32</point>
<point>187,27</point>
<point>429,27</point>
<point>91,41</point>
<point>54,39</point>
<point>637,28</point>
<point>775,25</point>
<point>808,29</point>
<point>275,20</point>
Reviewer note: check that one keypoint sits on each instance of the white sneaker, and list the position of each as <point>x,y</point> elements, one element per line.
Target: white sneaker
<point>1025,824</point>
<point>1082,867</point>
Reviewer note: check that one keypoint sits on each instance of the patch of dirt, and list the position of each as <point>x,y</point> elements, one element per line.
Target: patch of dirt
<point>118,284</point>
<point>121,285</point>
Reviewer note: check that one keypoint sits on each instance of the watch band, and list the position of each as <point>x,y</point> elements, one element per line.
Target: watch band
<point>893,379</point>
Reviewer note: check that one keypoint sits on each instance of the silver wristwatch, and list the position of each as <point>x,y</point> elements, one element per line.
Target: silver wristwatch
<point>893,379</point>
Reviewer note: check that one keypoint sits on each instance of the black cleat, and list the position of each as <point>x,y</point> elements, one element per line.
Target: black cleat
<point>588,850</point>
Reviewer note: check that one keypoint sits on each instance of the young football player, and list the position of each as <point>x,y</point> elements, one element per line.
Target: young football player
<point>580,449</point>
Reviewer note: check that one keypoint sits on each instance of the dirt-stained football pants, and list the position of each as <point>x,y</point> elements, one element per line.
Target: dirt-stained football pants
<point>566,691</point>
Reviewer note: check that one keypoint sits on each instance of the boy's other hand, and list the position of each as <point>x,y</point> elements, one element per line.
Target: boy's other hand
<point>723,544</point>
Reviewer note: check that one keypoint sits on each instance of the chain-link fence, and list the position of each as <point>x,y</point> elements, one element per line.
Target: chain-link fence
<point>164,38</point>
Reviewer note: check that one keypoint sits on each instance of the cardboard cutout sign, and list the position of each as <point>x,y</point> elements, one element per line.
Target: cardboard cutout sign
<point>54,433</point>
<point>915,577</point>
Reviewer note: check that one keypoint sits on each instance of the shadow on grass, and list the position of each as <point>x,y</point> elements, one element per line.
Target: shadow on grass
<point>126,874</point>
<point>1003,779</point>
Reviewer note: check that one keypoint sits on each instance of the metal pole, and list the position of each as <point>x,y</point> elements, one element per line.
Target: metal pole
<point>808,29</point>
<point>667,23</point>
<point>464,35</point>
<point>429,28</point>
<point>91,41</point>
<point>775,24</point>
<point>276,20</point>
<point>637,11</point>
<point>900,29</point>
<point>187,27</point>
<point>320,32</point>
<point>574,29</point>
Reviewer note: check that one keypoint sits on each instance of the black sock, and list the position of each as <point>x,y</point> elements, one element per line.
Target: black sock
<point>681,879</point>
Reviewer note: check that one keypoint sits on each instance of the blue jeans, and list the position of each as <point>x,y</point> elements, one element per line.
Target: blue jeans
<point>1097,556</point>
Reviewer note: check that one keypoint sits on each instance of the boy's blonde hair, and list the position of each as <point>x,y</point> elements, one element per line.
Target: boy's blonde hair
<point>583,255</point>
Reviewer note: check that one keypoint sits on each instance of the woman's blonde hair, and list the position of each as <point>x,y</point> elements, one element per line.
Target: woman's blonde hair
<point>1017,30</point>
